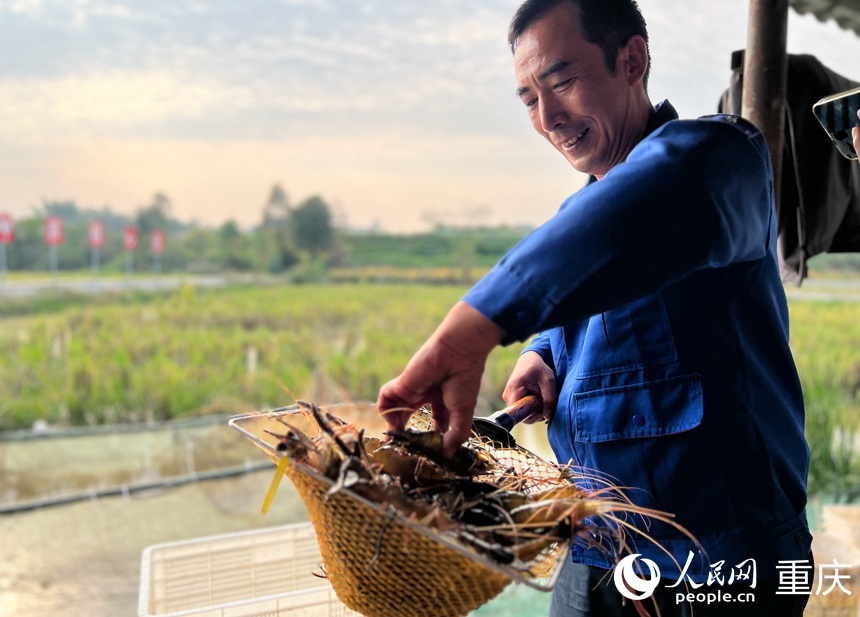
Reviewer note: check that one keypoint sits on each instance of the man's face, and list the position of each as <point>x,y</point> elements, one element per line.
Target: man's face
<point>590,115</point>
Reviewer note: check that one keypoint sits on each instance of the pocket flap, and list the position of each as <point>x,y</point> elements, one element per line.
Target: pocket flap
<point>648,409</point>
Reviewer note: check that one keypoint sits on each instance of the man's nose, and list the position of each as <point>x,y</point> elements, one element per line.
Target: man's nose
<point>552,115</point>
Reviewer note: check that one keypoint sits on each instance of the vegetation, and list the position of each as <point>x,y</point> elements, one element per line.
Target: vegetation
<point>68,359</point>
<point>297,239</point>
<point>825,340</point>
<point>441,247</point>
<point>835,264</point>
<point>143,356</point>
<point>162,356</point>
<point>277,244</point>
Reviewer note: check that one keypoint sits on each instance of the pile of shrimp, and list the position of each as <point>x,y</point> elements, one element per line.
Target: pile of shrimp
<point>505,512</point>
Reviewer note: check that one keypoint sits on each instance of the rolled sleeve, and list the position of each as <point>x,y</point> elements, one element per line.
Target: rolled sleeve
<point>507,298</point>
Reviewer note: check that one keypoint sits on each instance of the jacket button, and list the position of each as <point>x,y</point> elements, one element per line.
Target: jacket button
<point>639,419</point>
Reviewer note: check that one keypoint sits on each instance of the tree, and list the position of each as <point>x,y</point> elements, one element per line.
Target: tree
<point>277,208</point>
<point>234,247</point>
<point>28,251</point>
<point>202,250</point>
<point>278,253</point>
<point>154,216</point>
<point>311,225</point>
<point>67,210</point>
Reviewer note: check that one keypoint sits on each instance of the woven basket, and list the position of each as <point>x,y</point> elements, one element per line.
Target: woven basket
<point>382,564</point>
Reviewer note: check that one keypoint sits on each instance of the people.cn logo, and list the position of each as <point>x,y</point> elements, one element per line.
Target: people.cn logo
<point>627,579</point>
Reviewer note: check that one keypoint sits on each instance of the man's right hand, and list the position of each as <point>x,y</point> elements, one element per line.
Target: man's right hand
<point>531,375</point>
<point>446,373</point>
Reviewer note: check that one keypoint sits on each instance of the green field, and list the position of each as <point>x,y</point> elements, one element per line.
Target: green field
<point>129,358</point>
<point>74,360</point>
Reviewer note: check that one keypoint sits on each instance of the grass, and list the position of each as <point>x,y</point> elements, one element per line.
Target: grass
<point>825,340</point>
<point>157,356</point>
<point>138,356</point>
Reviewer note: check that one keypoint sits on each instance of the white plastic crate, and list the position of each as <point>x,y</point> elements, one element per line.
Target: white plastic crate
<point>259,573</point>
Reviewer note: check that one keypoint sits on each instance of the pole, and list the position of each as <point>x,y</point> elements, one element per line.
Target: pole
<point>2,262</point>
<point>94,258</point>
<point>52,258</point>
<point>765,76</point>
<point>129,263</point>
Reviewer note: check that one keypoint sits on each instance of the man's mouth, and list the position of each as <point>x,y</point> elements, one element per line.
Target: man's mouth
<point>569,144</point>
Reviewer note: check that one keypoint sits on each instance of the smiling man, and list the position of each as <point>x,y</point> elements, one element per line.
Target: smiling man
<point>660,326</point>
<point>584,106</point>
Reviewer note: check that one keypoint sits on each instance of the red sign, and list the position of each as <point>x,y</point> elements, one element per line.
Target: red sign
<point>129,238</point>
<point>158,241</point>
<point>53,231</point>
<point>96,234</point>
<point>7,228</point>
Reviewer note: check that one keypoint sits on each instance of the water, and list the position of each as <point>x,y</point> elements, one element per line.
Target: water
<point>84,558</point>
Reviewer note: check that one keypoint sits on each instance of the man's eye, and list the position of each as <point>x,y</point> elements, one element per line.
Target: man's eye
<point>562,84</point>
<point>531,102</point>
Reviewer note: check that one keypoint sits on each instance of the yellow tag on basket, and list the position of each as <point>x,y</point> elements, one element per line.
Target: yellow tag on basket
<point>276,482</point>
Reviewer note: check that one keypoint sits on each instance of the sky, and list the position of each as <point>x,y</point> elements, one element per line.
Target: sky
<point>399,113</point>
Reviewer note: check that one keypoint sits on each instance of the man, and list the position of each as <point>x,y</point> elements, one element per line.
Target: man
<point>662,349</point>
<point>855,135</point>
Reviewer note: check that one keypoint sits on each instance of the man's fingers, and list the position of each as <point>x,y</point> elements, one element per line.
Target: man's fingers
<point>549,409</point>
<point>394,406</point>
<point>396,419</point>
<point>512,394</point>
<point>459,429</point>
<point>439,414</point>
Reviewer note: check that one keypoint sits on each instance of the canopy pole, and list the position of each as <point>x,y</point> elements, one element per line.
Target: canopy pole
<point>765,76</point>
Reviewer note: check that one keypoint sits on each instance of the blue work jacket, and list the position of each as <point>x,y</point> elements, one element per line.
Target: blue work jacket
<point>657,298</point>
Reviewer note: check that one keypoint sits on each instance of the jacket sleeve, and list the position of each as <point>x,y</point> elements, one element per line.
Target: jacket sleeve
<point>540,344</point>
<point>695,194</point>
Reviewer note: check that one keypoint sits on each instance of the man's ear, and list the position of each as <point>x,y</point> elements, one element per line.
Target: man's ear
<point>633,59</point>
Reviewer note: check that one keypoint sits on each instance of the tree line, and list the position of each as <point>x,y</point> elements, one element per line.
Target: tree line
<point>286,236</point>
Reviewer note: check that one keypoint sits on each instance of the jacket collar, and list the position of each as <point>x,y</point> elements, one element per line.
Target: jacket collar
<point>662,113</point>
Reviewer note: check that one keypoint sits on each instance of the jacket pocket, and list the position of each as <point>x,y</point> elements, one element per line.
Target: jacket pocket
<point>632,337</point>
<point>648,409</point>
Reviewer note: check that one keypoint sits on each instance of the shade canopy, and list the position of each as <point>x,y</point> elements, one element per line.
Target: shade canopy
<point>846,13</point>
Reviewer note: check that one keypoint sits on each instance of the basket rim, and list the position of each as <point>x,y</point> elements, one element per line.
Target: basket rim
<point>542,584</point>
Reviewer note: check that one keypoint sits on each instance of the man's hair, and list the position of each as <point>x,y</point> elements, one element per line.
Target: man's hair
<point>609,24</point>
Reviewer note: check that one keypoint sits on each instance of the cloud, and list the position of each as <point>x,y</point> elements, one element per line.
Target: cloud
<point>293,65</point>
<point>39,112</point>
<point>360,100</point>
